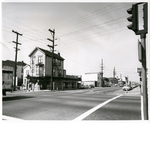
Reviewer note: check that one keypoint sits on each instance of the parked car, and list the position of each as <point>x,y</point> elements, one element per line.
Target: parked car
<point>84,87</point>
<point>91,86</point>
<point>126,88</point>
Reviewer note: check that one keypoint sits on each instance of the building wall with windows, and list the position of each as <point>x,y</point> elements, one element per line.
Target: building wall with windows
<point>57,67</point>
<point>37,63</point>
<point>26,73</point>
<point>41,71</point>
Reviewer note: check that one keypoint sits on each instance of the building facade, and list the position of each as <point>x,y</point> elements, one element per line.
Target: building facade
<point>39,72</point>
<point>93,79</point>
<point>10,65</point>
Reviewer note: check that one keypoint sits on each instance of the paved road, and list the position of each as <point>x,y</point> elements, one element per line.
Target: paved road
<point>89,104</point>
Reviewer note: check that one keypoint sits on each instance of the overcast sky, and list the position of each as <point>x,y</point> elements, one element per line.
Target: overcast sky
<point>86,33</point>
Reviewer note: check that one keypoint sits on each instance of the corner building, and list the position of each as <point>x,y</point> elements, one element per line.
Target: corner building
<point>39,71</point>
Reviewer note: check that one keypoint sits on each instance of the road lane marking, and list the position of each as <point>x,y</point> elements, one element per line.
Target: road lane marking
<point>10,118</point>
<point>87,113</point>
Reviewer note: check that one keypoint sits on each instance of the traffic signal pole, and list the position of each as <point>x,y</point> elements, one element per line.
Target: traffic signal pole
<point>144,78</point>
<point>134,26</point>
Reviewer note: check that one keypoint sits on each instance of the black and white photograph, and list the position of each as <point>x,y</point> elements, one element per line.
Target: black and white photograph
<point>75,62</point>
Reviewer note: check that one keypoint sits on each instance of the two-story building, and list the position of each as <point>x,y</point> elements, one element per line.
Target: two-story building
<point>40,71</point>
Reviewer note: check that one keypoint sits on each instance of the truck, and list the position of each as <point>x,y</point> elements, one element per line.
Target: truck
<point>7,81</point>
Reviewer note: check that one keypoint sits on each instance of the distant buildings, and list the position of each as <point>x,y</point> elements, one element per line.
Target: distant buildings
<point>39,71</point>
<point>95,79</point>
<point>91,79</point>
<point>10,65</point>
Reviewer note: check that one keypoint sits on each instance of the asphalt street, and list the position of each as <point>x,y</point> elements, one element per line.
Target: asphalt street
<point>84,104</point>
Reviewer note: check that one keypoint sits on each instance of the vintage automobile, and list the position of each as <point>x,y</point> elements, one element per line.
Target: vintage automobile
<point>126,88</point>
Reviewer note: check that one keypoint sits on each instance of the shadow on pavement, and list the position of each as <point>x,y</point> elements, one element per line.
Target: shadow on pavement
<point>16,98</point>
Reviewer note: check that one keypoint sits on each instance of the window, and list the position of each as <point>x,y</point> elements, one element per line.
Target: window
<point>59,62</point>
<point>41,70</point>
<point>37,70</point>
<point>59,73</point>
<point>54,71</point>
<point>27,72</point>
<point>33,60</point>
<point>32,70</point>
<point>40,59</point>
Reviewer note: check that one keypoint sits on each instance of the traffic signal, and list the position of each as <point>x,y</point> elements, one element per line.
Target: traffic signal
<point>145,11</point>
<point>133,18</point>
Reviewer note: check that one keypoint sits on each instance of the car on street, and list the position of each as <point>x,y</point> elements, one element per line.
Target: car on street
<point>126,88</point>
<point>91,86</point>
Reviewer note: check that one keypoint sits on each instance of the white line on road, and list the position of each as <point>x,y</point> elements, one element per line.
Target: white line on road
<point>10,118</point>
<point>81,117</point>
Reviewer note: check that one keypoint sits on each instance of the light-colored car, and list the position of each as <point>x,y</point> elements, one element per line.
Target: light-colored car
<point>126,88</point>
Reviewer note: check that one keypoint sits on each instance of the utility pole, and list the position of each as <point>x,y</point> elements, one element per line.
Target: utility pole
<point>114,73</point>
<point>53,40</point>
<point>144,77</point>
<point>101,73</point>
<point>120,77</point>
<point>16,56</point>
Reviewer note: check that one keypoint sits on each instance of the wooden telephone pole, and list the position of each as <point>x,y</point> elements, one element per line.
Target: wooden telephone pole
<point>53,45</point>
<point>16,56</point>
<point>101,73</point>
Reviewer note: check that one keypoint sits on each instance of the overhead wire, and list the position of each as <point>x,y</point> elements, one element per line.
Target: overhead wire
<point>93,27</point>
<point>103,11</point>
<point>34,28</point>
<point>38,30</point>
<point>68,33</point>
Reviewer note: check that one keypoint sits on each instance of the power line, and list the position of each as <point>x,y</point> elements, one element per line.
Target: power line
<point>94,26</point>
<point>34,28</point>
<point>45,43</point>
<point>88,16</point>
<point>98,35</point>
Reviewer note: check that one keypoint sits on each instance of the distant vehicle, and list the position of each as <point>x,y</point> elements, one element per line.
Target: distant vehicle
<point>126,88</point>
<point>86,86</point>
<point>121,84</point>
<point>7,83</point>
<point>91,86</point>
<point>83,87</point>
<point>133,86</point>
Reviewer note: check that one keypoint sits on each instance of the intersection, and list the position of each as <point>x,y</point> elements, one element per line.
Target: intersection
<point>73,105</point>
